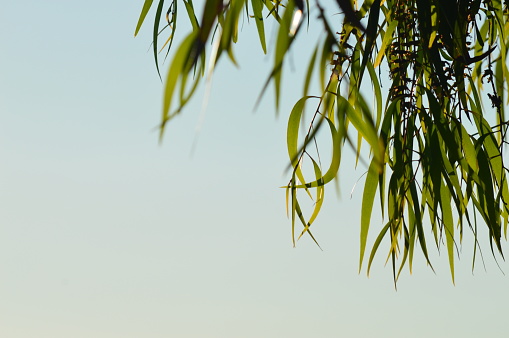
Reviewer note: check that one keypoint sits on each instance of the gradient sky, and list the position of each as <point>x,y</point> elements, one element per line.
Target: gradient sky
<point>106,233</point>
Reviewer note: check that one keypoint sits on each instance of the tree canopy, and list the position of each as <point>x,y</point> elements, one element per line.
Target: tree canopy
<point>436,137</point>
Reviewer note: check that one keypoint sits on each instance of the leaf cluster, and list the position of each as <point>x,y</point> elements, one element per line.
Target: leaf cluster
<point>436,150</point>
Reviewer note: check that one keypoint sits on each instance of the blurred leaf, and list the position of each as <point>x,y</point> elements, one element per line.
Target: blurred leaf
<point>282,45</point>
<point>257,10</point>
<point>178,68</point>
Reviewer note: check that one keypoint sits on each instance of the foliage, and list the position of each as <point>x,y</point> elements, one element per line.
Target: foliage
<point>435,151</point>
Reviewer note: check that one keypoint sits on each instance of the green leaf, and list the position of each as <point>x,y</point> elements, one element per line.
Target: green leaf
<point>469,149</point>
<point>282,45</point>
<point>364,125</point>
<point>336,160</point>
<point>178,68</point>
<point>385,42</point>
<point>258,16</point>
<point>191,14</point>
<point>376,245</point>
<point>487,198</point>
<point>155,33</point>
<point>143,15</point>
<point>370,35</point>
<point>292,135</point>
<point>445,198</point>
<point>318,201</point>
<point>303,221</point>
<point>377,92</point>
<point>368,198</point>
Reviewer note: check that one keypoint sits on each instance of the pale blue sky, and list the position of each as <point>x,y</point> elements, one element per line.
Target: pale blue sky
<point>106,233</point>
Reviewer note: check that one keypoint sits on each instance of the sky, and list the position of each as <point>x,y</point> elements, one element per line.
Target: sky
<point>106,232</point>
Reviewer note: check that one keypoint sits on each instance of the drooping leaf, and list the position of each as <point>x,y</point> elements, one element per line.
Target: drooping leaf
<point>258,16</point>
<point>144,11</point>
<point>368,198</point>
